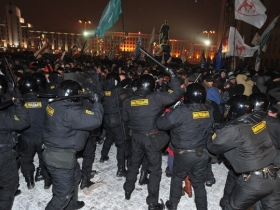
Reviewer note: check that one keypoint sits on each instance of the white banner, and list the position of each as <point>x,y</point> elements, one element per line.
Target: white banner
<point>236,45</point>
<point>250,11</point>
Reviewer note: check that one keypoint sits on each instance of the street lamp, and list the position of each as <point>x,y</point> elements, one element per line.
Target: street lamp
<point>209,32</point>
<point>85,22</point>
<point>207,42</point>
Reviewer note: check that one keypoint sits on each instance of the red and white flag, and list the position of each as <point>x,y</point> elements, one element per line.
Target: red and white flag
<point>236,45</point>
<point>42,50</point>
<point>250,11</point>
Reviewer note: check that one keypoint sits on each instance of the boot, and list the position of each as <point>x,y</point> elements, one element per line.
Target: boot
<point>127,195</point>
<point>47,184</point>
<point>18,192</point>
<point>168,172</point>
<point>86,182</point>
<point>170,206</point>
<point>30,182</point>
<point>188,187</point>
<point>103,159</point>
<point>38,175</point>
<point>158,206</point>
<point>93,173</point>
<point>121,172</point>
<point>210,182</point>
<point>74,203</point>
<point>143,178</point>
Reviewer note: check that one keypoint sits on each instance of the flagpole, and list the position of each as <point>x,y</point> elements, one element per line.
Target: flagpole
<point>123,35</point>
<point>233,57</point>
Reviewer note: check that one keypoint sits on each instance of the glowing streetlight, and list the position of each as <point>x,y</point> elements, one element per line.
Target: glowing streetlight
<point>85,22</point>
<point>207,42</point>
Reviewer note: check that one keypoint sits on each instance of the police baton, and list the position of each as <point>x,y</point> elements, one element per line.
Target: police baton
<point>51,100</point>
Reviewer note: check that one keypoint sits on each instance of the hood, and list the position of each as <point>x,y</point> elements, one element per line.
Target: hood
<point>213,94</point>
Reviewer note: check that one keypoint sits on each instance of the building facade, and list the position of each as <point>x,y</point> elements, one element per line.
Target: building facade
<point>15,34</point>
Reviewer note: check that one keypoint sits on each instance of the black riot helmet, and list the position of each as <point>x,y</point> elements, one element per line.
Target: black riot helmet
<point>195,93</point>
<point>27,84</point>
<point>146,82</point>
<point>40,79</point>
<point>3,85</point>
<point>114,77</point>
<point>239,105</point>
<point>70,88</point>
<point>260,101</point>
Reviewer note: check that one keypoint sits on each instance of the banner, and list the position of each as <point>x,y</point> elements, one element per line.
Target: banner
<point>183,54</point>
<point>218,58</point>
<point>250,11</point>
<point>236,45</point>
<point>109,17</point>
<point>44,49</point>
<point>266,34</point>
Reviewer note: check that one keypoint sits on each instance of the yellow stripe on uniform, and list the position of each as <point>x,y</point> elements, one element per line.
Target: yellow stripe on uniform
<point>107,93</point>
<point>50,110</point>
<point>30,105</point>
<point>259,127</point>
<point>89,112</point>
<point>139,102</point>
<point>202,114</point>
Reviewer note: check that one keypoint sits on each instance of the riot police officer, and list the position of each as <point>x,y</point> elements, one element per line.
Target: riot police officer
<point>247,146</point>
<point>13,118</point>
<point>32,138</point>
<point>190,126</point>
<point>112,122</point>
<point>64,134</point>
<point>141,110</point>
<point>262,106</point>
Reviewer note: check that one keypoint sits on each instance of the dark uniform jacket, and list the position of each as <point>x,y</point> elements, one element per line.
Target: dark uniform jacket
<point>273,128</point>
<point>67,124</point>
<point>37,110</point>
<point>12,119</point>
<point>110,101</point>
<point>143,108</point>
<point>190,125</point>
<point>245,143</point>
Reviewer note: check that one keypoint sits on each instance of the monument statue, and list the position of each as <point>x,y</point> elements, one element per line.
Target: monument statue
<point>163,33</point>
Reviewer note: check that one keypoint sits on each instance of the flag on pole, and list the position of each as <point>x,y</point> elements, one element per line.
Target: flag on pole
<point>151,40</point>
<point>250,11</point>
<point>266,34</point>
<point>236,45</point>
<point>218,59</point>
<point>203,60</point>
<point>109,17</point>
<point>183,54</point>
<point>191,50</point>
<point>42,50</point>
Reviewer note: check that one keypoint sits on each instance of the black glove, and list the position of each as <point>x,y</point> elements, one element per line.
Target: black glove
<point>95,97</point>
<point>171,72</point>
<point>18,102</point>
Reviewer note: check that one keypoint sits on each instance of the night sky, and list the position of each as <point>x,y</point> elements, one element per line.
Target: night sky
<point>187,18</point>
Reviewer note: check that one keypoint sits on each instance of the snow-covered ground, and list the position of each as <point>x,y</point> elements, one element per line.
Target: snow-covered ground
<point>108,193</point>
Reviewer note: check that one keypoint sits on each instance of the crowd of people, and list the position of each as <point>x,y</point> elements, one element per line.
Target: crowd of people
<point>60,109</point>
